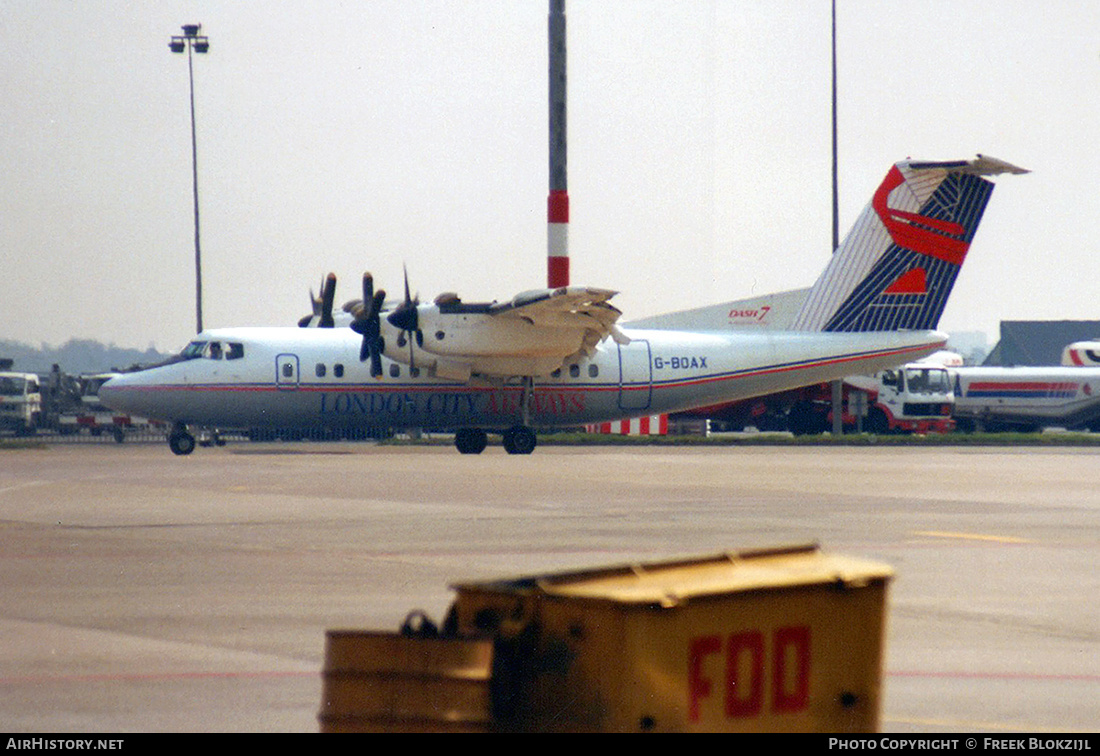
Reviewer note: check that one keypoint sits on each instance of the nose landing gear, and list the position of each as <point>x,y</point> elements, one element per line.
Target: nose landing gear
<point>180,441</point>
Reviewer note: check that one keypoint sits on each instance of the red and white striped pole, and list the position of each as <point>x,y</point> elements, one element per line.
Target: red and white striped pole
<point>557,204</point>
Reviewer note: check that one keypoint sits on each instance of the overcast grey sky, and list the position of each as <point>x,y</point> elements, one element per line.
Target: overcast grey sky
<point>368,134</point>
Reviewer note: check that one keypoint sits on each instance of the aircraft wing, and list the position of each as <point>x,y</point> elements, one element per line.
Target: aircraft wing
<point>579,308</point>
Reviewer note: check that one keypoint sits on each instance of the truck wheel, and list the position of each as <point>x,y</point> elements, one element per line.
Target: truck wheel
<point>877,422</point>
<point>965,425</point>
<point>119,434</point>
<point>802,420</point>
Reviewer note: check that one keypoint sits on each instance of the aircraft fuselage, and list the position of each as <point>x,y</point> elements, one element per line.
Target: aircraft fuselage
<point>313,379</point>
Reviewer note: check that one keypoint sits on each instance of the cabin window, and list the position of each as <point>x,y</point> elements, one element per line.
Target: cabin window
<point>236,351</point>
<point>556,373</point>
<point>395,371</point>
<point>288,370</point>
<point>439,335</point>
<point>574,371</point>
<point>320,370</point>
<point>338,370</point>
<point>215,352</point>
<point>414,372</point>
<point>593,371</point>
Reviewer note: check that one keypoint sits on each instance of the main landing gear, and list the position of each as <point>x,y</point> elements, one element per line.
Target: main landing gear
<point>519,439</point>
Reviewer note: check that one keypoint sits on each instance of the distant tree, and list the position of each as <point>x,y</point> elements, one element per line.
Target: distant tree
<point>76,356</point>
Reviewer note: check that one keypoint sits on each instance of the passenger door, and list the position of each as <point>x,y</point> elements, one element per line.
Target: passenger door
<point>286,371</point>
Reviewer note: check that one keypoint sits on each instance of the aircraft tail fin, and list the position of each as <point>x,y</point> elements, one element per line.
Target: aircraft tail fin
<point>898,264</point>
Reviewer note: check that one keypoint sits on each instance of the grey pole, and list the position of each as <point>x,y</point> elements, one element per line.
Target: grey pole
<point>838,386</point>
<point>191,40</point>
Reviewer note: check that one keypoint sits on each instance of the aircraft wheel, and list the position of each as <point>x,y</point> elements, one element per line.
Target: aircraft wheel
<point>519,439</point>
<point>470,441</point>
<point>181,442</point>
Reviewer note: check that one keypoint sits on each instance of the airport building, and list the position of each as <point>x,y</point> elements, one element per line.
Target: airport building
<point>1035,343</point>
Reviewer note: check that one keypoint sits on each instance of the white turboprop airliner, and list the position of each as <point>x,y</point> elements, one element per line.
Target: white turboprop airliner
<point>557,358</point>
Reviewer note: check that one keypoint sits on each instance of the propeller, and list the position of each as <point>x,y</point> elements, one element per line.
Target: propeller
<point>328,293</point>
<point>407,319</point>
<point>322,305</point>
<point>366,323</point>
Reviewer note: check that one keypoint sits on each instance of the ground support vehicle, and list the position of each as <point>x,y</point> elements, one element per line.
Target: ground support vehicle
<point>20,402</point>
<point>92,416</point>
<point>1026,399</point>
<point>916,398</point>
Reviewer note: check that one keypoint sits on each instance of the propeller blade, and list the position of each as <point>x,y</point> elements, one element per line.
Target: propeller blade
<point>376,360</point>
<point>328,294</point>
<point>368,287</point>
<point>367,323</point>
<point>376,304</point>
<point>314,306</point>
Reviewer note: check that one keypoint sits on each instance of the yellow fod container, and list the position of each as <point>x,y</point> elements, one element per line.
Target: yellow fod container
<point>776,640</point>
<point>388,682</point>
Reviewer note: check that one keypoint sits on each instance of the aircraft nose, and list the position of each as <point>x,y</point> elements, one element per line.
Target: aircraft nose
<point>116,393</point>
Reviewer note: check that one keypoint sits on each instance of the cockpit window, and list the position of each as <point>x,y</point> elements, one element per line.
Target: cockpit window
<point>212,350</point>
<point>193,350</point>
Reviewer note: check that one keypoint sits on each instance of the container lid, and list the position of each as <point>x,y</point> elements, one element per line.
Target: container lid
<point>670,583</point>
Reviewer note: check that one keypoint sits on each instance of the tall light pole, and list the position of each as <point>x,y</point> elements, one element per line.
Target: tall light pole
<point>190,41</point>
<point>837,386</point>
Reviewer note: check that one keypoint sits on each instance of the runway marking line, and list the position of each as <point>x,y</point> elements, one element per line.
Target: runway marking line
<point>971,536</point>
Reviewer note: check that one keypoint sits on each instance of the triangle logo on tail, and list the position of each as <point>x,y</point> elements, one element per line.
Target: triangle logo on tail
<point>914,281</point>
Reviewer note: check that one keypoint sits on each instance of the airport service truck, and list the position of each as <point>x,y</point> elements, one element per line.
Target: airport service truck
<point>1026,399</point>
<point>20,402</point>
<point>914,398</point>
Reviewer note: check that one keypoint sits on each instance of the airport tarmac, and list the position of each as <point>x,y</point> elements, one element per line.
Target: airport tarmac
<point>144,592</point>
